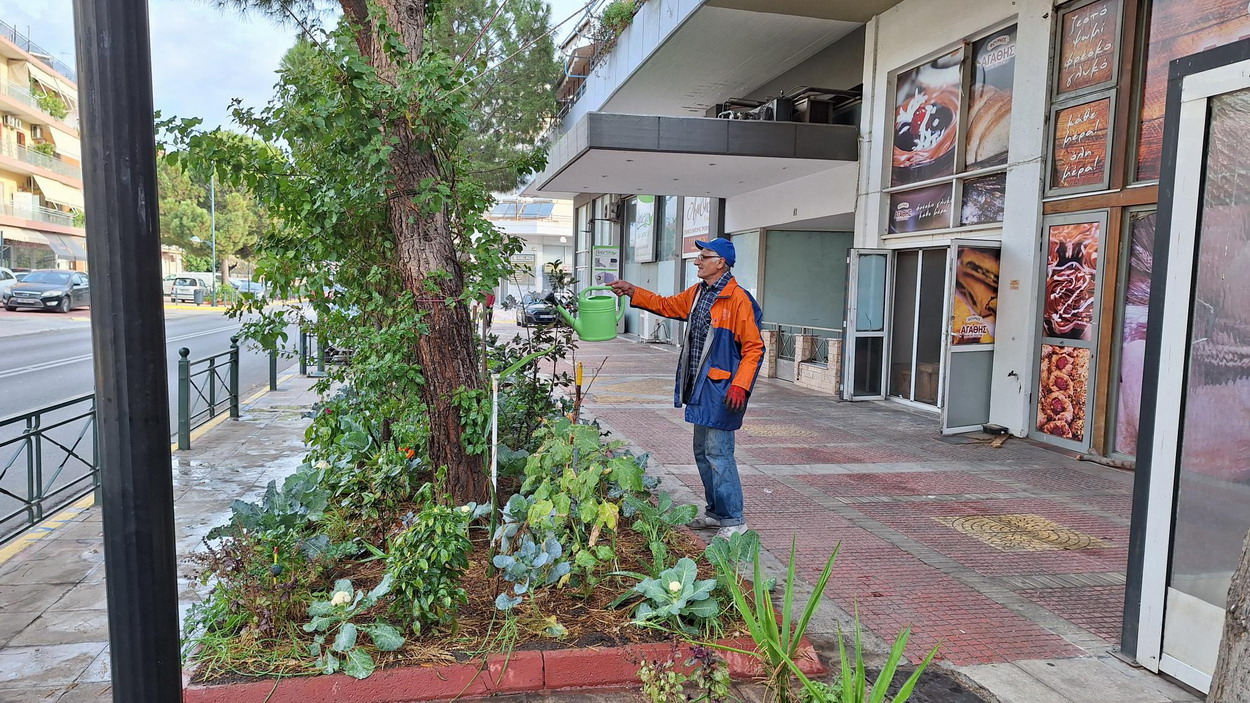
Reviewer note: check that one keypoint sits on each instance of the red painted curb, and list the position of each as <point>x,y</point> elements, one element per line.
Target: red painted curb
<point>525,672</point>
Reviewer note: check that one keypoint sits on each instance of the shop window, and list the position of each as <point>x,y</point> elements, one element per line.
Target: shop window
<point>582,257</point>
<point>952,127</point>
<point>1131,312</point>
<point>639,228</point>
<point>666,248</point>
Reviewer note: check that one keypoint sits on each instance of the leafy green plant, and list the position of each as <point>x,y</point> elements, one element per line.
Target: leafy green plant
<point>656,523</point>
<point>427,561</point>
<point>708,676</point>
<point>526,561</point>
<point>299,503</point>
<point>45,148</point>
<point>52,104</point>
<point>333,616</point>
<point>677,596</point>
<point>618,15</point>
<point>852,680</point>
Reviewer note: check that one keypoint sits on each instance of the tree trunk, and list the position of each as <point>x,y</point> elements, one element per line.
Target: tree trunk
<point>1231,681</point>
<point>429,260</point>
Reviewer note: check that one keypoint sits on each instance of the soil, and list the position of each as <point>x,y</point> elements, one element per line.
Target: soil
<point>584,613</point>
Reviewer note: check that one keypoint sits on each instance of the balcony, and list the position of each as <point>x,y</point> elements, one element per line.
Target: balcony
<point>38,214</point>
<point>35,158</point>
<point>41,55</point>
<point>27,99</point>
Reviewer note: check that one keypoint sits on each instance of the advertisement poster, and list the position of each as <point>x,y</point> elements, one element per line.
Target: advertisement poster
<point>989,103</point>
<point>921,209</point>
<point>1063,385</point>
<point>1133,332</point>
<point>975,307</point>
<point>1071,270</point>
<point>695,224</point>
<point>926,120</point>
<point>1087,46</point>
<point>983,199</point>
<point>642,229</point>
<point>1176,30</point>
<point>606,265</point>
<point>1079,152</point>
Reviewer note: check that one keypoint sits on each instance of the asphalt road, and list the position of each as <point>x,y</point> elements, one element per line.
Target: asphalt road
<point>46,358</point>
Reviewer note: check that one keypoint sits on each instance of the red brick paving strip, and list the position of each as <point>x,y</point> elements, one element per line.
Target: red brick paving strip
<point>1097,608</point>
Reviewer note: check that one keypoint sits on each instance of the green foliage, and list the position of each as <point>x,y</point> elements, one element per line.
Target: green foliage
<point>852,678</point>
<point>708,676</point>
<point>678,597</point>
<point>52,104</point>
<point>334,615</point>
<point>528,398</point>
<point>618,15</point>
<point>45,148</point>
<point>185,204</point>
<point>656,523</point>
<point>426,562</point>
<point>290,510</point>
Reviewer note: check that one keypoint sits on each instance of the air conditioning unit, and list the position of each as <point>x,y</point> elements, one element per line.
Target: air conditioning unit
<point>775,110</point>
<point>12,121</point>
<point>36,132</point>
<point>646,323</point>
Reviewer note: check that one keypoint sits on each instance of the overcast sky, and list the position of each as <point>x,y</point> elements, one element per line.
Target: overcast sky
<point>202,57</point>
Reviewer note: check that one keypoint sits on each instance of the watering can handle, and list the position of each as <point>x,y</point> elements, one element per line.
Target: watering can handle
<point>620,309</point>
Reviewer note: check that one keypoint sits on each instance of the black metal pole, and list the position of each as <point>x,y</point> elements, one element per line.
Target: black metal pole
<point>128,333</point>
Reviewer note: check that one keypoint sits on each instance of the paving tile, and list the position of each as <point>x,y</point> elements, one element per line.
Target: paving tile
<point>13,622</point>
<point>30,597</point>
<point>65,627</point>
<point>1011,684</point>
<point>48,571</point>
<point>84,596</point>
<point>87,693</point>
<point>1076,679</point>
<point>30,695</point>
<point>52,665</point>
<point>99,671</point>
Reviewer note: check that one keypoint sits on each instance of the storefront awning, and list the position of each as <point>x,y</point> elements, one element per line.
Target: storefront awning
<point>66,143</point>
<point>68,247</point>
<point>60,193</point>
<point>19,234</point>
<point>695,156</point>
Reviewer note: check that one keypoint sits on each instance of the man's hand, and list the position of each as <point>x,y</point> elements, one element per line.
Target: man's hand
<point>622,288</point>
<point>736,399</point>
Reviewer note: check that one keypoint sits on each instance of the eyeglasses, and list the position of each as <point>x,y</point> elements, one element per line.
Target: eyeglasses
<point>706,258</point>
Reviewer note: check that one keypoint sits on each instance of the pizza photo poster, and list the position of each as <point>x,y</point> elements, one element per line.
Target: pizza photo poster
<point>926,120</point>
<point>974,310</point>
<point>989,101</point>
<point>1071,272</point>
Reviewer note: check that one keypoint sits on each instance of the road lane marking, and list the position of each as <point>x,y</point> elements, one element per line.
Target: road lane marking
<point>44,366</point>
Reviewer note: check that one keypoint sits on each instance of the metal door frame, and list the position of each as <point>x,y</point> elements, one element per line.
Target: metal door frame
<point>1194,81</point>
<point>948,347</point>
<point>915,333</point>
<point>850,335</point>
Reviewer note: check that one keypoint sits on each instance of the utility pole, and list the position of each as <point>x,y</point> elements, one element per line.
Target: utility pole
<point>212,223</point>
<point>128,340</point>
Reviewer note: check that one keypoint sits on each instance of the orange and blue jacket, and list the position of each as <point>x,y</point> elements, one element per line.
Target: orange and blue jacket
<point>732,352</point>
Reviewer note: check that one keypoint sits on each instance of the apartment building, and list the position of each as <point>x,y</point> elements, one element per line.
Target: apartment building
<point>42,223</point>
<point>1021,213</point>
<point>543,226</point>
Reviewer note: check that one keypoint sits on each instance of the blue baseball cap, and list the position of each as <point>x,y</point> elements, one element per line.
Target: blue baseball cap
<point>721,246</point>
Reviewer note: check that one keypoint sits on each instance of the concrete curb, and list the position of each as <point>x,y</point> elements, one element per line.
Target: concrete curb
<point>520,672</point>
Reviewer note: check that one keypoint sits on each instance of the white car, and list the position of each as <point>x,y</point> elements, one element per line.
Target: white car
<point>184,289</point>
<point>7,281</point>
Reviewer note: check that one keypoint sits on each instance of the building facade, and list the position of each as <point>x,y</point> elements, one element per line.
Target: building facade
<point>42,224</point>
<point>544,227</point>
<point>953,205</point>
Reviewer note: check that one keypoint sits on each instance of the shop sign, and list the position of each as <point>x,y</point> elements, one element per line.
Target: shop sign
<point>1177,29</point>
<point>974,310</point>
<point>1089,44</point>
<point>926,120</point>
<point>1080,146</point>
<point>921,209</point>
<point>989,101</point>
<point>605,265</point>
<point>983,199</point>
<point>642,229</point>
<point>695,224</point>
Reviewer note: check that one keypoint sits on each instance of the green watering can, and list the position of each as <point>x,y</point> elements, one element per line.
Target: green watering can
<point>597,316</point>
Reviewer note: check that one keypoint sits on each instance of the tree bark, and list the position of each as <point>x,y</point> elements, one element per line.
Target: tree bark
<point>1231,681</point>
<point>428,258</point>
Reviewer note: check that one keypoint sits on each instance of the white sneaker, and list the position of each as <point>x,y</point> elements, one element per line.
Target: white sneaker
<point>704,522</point>
<point>731,530</point>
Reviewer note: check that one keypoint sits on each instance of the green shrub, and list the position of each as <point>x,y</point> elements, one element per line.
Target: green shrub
<point>427,562</point>
<point>52,104</point>
<point>617,15</point>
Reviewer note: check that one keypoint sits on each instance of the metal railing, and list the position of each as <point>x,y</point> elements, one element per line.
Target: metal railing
<point>206,388</point>
<point>27,98</point>
<point>38,214</point>
<point>312,354</point>
<point>57,447</point>
<point>787,347</point>
<point>39,159</point>
<point>41,54</point>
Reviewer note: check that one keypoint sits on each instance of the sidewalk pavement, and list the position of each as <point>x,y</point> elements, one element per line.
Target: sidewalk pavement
<point>53,617</point>
<point>1011,559</point>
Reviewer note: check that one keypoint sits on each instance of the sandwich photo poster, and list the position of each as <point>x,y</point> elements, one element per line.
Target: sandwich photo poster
<point>926,119</point>
<point>989,101</point>
<point>974,309</point>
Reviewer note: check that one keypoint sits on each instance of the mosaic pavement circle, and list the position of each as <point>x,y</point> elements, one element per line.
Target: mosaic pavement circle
<point>1022,532</point>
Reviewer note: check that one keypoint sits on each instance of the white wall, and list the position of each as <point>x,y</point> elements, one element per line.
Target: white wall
<point>893,43</point>
<point>823,194</point>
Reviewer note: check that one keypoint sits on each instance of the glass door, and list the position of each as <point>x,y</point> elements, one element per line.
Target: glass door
<point>1198,428</point>
<point>918,322</point>
<point>865,339</point>
<point>970,334</point>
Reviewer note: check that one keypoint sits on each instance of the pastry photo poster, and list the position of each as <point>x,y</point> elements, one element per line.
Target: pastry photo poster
<point>1071,271</point>
<point>926,120</point>
<point>975,305</point>
<point>1063,385</point>
<point>989,100</point>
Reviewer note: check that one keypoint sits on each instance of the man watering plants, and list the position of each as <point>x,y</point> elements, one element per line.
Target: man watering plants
<point>716,371</point>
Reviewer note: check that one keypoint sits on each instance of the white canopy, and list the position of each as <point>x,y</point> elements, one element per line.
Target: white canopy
<point>66,143</point>
<point>60,193</point>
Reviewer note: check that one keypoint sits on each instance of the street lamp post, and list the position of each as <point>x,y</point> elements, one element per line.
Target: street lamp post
<point>212,224</point>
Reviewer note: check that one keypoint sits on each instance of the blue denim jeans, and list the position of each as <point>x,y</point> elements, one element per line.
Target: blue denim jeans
<point>714,454</point>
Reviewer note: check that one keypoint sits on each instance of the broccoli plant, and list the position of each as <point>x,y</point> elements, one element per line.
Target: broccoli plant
<point>333,617</point>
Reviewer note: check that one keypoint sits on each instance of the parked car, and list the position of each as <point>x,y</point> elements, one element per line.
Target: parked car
<point>534,310</point>
<point>8,279</point>
<point>51,289</point>
<point>185,287</point>
<point>243,285</point>
<point>21,275</point>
